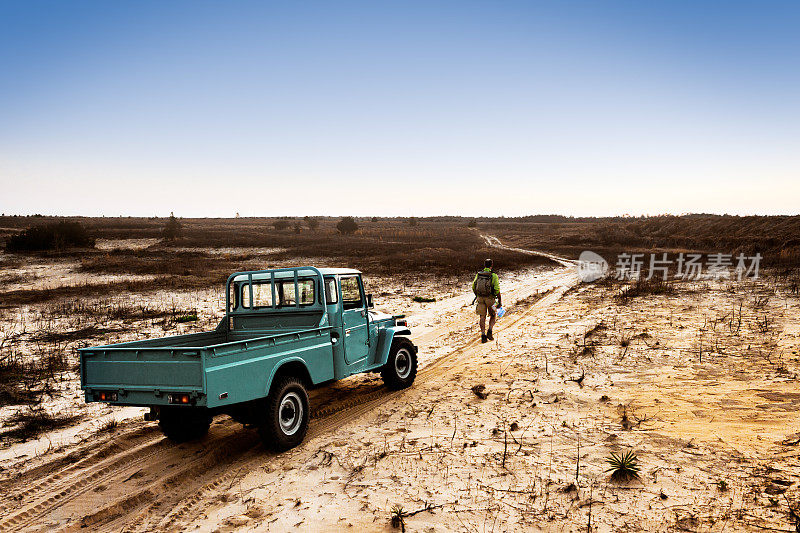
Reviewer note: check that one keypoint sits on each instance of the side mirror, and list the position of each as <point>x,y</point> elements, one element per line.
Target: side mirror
<point>369,301</point>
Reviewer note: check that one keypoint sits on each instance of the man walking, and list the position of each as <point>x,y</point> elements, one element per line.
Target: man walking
<point>486,287</point>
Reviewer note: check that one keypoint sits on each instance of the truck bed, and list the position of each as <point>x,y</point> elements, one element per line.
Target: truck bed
<point>141,372</point>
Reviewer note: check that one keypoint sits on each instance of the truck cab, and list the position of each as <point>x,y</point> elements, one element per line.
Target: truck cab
<point>285,331</point>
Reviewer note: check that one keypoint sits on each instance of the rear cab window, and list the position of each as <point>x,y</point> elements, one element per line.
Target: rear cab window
<point>284,293</point>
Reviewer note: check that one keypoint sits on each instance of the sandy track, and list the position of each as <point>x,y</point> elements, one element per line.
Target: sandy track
<point>136,480</point>
<point>495,242</point>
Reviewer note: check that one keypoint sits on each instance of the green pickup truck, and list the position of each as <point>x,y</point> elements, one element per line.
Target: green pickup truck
<point>285,331</point>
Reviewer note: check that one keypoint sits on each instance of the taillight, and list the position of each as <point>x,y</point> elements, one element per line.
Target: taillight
<point>104,396</point>
<point>179,398</point>
<point>401,323</point>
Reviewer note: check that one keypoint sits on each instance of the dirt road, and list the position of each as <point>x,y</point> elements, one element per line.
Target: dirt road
<point>133,479</point>
<point>495,242</point>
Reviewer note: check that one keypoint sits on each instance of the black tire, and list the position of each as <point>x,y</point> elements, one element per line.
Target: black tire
<point>401,366</point>
<point>184,424</point>
<point>285,420</point>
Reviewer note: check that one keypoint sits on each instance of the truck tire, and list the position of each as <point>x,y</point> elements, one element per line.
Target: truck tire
<point>285,421</point>
<point>401,366</point>
<point>184,424</point>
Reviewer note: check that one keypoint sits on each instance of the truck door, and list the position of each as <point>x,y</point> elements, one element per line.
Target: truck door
<point>354,322</point>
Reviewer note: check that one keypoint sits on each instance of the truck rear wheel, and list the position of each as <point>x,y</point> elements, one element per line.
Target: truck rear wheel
<point>286,419</point>
<point>401,366</point>
<point>184,424</point>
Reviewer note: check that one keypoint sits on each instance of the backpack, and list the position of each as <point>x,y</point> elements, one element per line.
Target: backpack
<point>483,284</point>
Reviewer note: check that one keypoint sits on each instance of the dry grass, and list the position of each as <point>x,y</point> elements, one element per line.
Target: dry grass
<point>25,380</point>
<point>777,238</point>
<point>644,287</point>
<point>34,296</point>
<point>31,422</point>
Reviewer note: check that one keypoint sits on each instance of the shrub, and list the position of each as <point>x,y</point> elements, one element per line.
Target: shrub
<point>472,223</point>
<point>280,225</point>
<point>172,229</point>
<point>311,222</point>
<point>347,226</point>
<point>413,221</point>
<point>53,236</point>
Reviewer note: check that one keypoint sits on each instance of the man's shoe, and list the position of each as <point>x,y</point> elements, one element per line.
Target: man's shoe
<point>483,338</point>
<point>489,335</point>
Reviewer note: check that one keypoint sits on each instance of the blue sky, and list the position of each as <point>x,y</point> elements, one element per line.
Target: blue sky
<point>399,108</point>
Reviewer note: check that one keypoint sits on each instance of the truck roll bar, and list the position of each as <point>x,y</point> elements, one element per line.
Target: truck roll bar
<point>251,274</point>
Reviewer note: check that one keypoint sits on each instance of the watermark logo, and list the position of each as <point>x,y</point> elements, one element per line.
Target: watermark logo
<point>591,266</point>
<point>690,267</point>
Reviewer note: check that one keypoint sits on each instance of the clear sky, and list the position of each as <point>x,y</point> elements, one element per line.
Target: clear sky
<point>399,108</point>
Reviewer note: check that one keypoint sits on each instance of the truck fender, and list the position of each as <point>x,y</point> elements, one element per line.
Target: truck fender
<point>291,366</point>
<point>385,342</point>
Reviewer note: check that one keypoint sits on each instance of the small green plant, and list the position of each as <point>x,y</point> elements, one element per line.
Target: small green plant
<point>423,299</point>
<point>398,513</point>
<point>623,466</point>
<point>186,318</point>
<point>722,485</point>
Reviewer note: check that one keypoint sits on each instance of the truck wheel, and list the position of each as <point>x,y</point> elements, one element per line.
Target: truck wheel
<point>401,366</point>
<point>286,419</point>
<point>182,425</point>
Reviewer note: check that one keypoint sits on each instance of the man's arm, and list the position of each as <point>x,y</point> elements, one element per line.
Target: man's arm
<point>496,289</point>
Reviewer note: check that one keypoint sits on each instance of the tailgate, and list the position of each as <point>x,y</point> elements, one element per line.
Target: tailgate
<point>152,370</point>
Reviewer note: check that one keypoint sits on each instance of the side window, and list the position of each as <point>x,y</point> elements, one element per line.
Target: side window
<point>351,293</point>
<point>331,294</point>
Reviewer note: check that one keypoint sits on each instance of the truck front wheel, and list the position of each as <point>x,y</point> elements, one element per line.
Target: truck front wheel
<point>286,419</point>
<point>184,424</point>
<point>401,366</point>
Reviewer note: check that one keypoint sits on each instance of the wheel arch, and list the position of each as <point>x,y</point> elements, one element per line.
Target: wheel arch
<point>385,338</point>
<point>294,367</point>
